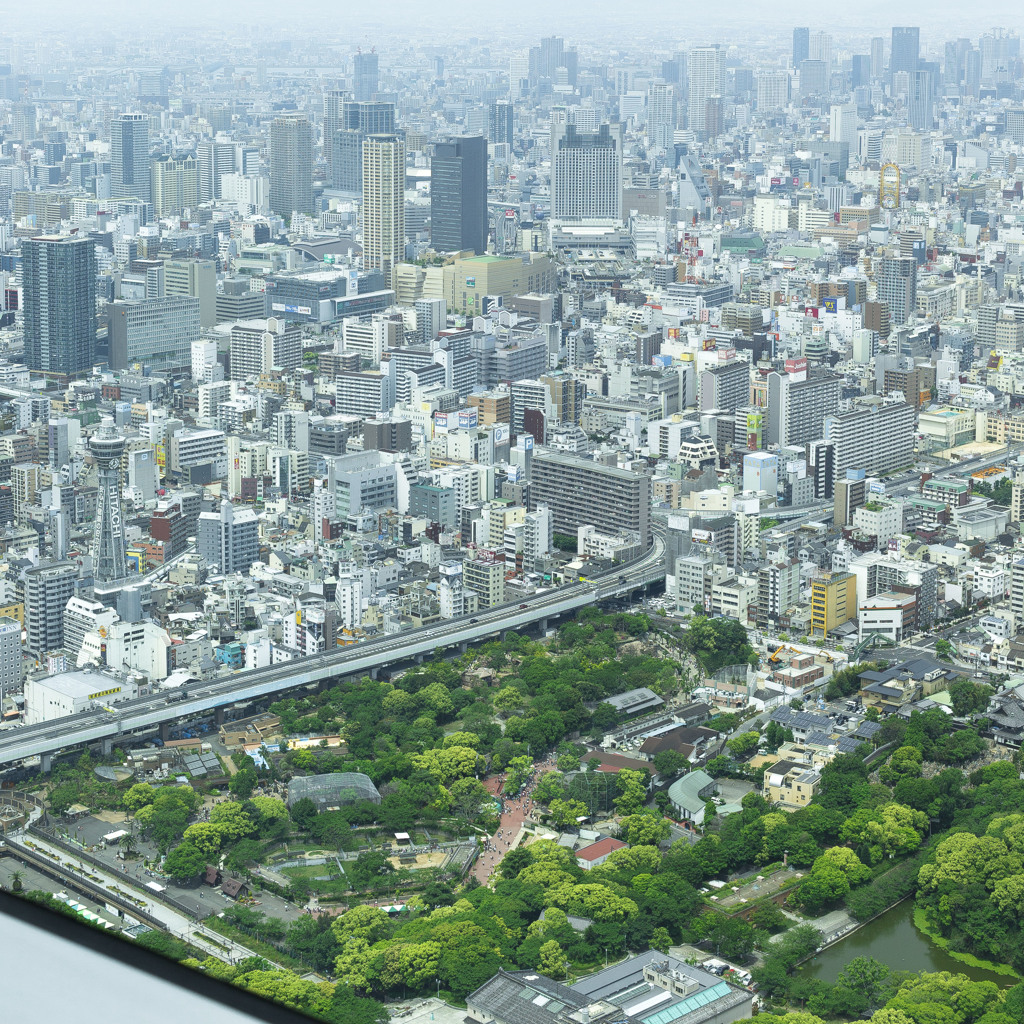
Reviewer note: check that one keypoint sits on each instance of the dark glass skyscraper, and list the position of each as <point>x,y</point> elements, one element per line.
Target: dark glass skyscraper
<point>59,291</point>
<point>357,121</point>
<point>500,122</point>
<point>458,195</point>
<point>291,165</point>
<point>129,157</point>
<point>366,77</point>
<point>801,45</point>
<point>906,50</point>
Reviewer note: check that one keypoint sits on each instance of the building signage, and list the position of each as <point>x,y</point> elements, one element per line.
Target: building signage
<point>284,307</point>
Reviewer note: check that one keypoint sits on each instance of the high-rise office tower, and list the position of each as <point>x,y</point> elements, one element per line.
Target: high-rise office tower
<point>291,165</point>
<point>383,203</point>
<point>897,287</point>
<point>801,45</point>
<point>500,123</point>
<point>129,157</point>
<point>366,76</point>
<point>707,79</point>
<point>586,173</point>
<point>59,296</point>
<point>24,121</point>
<point>906,50</point>
<point>877,56</point>
<point>216,159</point>
<point>860,70</point>
<point>820,48</point>
<point>458,195</point>
<point>843,123</point>
<point>661,114</point>
<point>772,90</point>
<point>357,120</point>
<point>107,448</point>
<point>334,102</point>
<point>921,105</point>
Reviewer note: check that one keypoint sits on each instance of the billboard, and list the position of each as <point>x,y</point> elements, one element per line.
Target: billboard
<point>701,536</point>
<point>673,333</point>
<point>284,307</point>
<point>468,418</point>
<point>830,304</point>
<point>440,421</point>
<point>470,282</point>
<point>501,433</point>
<point>513,474</point>
<point>526,442</point>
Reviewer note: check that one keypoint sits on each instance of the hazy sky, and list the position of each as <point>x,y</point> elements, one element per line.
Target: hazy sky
<point>575,19</point>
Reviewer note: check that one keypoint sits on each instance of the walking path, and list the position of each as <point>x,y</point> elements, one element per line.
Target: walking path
<point>516,814</point>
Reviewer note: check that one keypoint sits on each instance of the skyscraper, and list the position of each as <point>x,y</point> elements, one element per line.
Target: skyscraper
<point>334,101</point>
<point>48,588</point>
<point>59,295</point>
<point>458,195</point>
<point>897,287</point>
<point>291,165</point>
<point>661,114</point>
<point>175,185</point>
<point>877,56</point>
<point>707,80</point>
<point>129,157</point>
<point>586,173</point>
<point>383,203</point>
<point>107,448</point>
<point>801,45</point>
<point>500,123</point>
<point>906,50</point>
<point>921,106</point>
<point>357,120</point>
<point>366,76</point>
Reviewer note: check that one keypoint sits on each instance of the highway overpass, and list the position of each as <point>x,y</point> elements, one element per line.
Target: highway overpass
<point>146,713</point>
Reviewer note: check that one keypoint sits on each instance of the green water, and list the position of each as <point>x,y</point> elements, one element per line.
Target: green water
<point>893,939</point>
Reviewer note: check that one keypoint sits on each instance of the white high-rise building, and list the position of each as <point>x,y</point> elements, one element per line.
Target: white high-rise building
<point>538,536</point>
<point>349,599</point>
<point>843,124</point>
<point>773,90</point>
<point>205,368</point>
<point>450,592</point>
<point>383,203</point>
<point>707,80</point>
<point>321,506</point>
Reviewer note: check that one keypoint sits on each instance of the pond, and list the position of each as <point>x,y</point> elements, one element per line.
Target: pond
<point>892,938</point>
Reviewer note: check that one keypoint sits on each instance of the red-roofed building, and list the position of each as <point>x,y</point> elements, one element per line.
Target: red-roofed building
<point>597,853</point>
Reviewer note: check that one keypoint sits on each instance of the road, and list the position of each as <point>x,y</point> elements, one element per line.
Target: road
<point>146,713</point>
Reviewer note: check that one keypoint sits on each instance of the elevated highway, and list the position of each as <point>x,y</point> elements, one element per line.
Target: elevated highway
<point>109,727</point>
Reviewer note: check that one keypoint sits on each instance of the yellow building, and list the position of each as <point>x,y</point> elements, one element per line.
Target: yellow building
<point>13,611</point>
<point>790,785</point>
<point>833,601</point>
<point>506,276</point>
